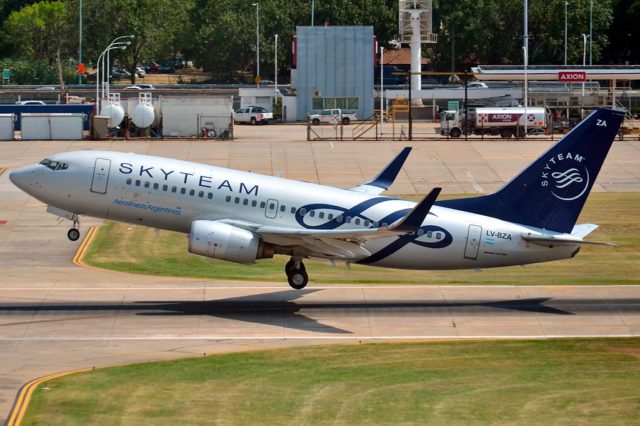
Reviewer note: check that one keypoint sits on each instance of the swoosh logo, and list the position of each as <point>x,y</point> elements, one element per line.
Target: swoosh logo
<point>567,177</point>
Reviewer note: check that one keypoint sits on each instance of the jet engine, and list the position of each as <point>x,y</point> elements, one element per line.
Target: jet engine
<point>226,242</point>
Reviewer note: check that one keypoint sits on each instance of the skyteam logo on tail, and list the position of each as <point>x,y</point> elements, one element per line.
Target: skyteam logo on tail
<point>566,176</point>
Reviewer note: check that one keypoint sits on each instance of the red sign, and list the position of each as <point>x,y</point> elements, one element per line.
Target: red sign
<point>571,76</point>
<point>504,118</point>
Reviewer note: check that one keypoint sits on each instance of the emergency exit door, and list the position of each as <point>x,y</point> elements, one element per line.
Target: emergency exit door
<point>100,176</point>
<point>473,242</point>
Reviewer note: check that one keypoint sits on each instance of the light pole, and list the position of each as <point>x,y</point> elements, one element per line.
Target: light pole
<point>584,55</point>
<point>115,44</point>
<point>381,89</point>
<point>525,48</point>
<point>566,3</point>
<point>257,5</point>
<point>80,44</point>
<point>275,65</point>
<point>590,33</point>
<point>313,11</point>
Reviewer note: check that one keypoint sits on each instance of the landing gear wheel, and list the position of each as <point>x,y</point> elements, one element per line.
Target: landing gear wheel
<point>73,234</point>
<point>297,276</point>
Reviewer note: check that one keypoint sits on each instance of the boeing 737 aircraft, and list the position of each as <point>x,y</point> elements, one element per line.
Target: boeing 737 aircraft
<point>241,216</point>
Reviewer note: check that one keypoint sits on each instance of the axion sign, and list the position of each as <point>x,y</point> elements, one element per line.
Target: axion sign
<point>571,76</point>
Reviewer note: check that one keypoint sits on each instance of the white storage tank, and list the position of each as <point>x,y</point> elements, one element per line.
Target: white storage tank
<point>143,115</point>
<point>58,126</point>
<point>6,126</point>
<point>115,113</point>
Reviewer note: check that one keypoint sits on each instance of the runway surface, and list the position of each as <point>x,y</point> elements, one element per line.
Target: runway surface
<point>55,316</point>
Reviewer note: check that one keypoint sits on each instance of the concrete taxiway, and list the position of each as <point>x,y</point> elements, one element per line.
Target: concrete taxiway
<point>55,316</point>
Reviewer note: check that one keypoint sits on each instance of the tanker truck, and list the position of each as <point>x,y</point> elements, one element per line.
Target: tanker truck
<point>505,122</point>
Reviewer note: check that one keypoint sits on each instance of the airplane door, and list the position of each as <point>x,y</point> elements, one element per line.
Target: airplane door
<point>473,242</point>
<point>271,210</point>
<point>100,175</point>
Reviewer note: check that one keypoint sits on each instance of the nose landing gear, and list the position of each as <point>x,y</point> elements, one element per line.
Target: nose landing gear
<point>296,273</point>
<point>74,233</point>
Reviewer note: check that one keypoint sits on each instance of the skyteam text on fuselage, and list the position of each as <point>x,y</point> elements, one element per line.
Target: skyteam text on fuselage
<point>241,216</point>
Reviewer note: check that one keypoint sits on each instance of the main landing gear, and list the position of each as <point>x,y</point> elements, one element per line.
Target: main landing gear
<point>296,273</point>
<point>74,233</point>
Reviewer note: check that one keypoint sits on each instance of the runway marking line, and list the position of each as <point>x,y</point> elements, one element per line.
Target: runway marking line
<point>23,398</point>
<point>86,243</point>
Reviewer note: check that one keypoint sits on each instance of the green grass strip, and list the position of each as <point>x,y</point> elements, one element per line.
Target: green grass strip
<point>568,382</point>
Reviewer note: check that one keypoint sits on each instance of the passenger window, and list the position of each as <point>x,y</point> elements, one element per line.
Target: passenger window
<point>321,215</point>
<point>146,184</point>
<point>129,181</point>
<point>357,221</point>
<point>245,202</point>
<point>174,189</point>
<point>210,195</point>
<point>201,194</point>
<point>339,219</point>
<point>272,206</point>
<point>330,216</point>
<point>438,236</point>
<point>228,198</point>
<point>429,234</point>
<point>366,223</point>
<point>165,187</point>
<point>312,213</point>
<point>137,182</point>
<point>237,200</point>
<point>192,192</point>
<point>282,208</point>
<point>254,203</point>
<point>156,185</point>
<point>263,204</point>
<point>374,224</point>
<point>293,210</point>
<point>183,191</point>
<point>302,211</point>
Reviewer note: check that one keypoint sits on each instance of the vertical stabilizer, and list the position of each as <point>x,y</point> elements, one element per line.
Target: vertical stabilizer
<point>551,191</point>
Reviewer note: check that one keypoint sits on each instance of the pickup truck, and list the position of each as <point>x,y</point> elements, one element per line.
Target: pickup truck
<point>332,116</point>
<point>253,115</point>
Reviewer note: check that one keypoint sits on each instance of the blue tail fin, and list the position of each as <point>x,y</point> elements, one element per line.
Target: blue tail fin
<point>551,191</point>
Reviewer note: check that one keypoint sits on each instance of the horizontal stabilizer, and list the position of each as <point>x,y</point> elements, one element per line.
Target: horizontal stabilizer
<point>566,239</point>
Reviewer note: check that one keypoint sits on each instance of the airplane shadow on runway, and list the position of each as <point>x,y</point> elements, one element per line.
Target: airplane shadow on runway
<point>283,308</point>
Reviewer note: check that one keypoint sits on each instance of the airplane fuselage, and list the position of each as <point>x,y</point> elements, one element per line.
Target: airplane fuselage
<point>171,194</point>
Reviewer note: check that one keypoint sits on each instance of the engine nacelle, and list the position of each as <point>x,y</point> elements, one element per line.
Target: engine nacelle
<point>226,242</point>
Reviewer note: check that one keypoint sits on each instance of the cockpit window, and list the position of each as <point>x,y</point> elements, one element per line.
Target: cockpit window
<point>54,165</point>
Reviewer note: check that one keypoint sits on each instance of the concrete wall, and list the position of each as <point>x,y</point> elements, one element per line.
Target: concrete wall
<point>335,62</point>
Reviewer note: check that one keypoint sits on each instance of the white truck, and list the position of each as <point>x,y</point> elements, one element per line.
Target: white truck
<point>332,116</point>
<point>253,115</point>
<point>505,122</point>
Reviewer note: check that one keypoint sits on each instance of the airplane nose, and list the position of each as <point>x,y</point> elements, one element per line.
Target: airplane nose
<point>21,177</point>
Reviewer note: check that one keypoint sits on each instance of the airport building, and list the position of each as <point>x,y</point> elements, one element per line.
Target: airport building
<point>334,69</point>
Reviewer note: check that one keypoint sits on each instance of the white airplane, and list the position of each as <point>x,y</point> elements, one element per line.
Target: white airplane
<point>241,216</point>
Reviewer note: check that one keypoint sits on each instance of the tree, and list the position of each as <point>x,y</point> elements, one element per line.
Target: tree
<point>39,31</point>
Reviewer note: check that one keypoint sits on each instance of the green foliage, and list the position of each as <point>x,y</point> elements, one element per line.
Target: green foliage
<point>221,35</point>
<point>25,71</point>
<point>38,31</point>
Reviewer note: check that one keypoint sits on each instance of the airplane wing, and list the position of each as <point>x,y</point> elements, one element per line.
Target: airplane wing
<point>385,178</point>
<point>343,244</point>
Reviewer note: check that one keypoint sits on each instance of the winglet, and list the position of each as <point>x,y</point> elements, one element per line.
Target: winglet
<point>385,178</point>
<point>413,220</point>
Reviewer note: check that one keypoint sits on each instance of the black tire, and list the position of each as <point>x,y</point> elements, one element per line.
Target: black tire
<point>253,121</point>
<point>315,121</point>
<point>506,133</point>
<point>346,121</point>
<point>73,234</point>
<point>298,278</point>
<point>455,133</point>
